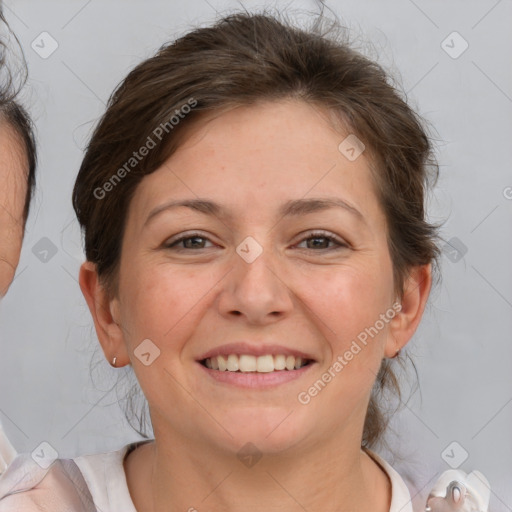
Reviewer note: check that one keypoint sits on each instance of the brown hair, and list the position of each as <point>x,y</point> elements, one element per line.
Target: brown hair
<point>12,114</point>
<point>240,60</point>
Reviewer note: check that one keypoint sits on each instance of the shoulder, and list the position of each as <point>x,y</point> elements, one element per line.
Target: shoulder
<point>105,476</point>
<point>27,486</point>
<point>84,484</point>
<point>400,495</point>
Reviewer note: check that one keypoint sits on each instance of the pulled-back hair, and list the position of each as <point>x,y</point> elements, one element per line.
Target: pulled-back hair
<point>241,60</point>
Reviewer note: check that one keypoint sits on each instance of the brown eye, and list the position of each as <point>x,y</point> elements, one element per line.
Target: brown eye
<point>192,241</point>
<point>321,241</point>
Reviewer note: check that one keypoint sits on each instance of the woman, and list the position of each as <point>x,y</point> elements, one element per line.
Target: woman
<point>17,169</point>
<point>17,182</point>
<point>257,250</point>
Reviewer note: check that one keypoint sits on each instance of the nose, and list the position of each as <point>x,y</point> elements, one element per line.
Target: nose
<point>256,290</point>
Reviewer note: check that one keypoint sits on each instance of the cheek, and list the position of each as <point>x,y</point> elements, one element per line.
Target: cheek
<point>350,303</point>
<point>160,301</point>
<point>351,299</point>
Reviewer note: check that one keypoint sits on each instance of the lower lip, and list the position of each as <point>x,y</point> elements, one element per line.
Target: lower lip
<point>256,380</point>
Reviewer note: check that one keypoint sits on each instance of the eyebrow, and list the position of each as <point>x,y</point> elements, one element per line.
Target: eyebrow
<point>294,207</point>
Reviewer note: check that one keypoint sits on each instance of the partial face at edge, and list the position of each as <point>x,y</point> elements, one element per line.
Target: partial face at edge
<point>13,189</point>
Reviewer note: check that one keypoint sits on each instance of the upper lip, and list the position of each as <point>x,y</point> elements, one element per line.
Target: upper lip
<point>244,347</point>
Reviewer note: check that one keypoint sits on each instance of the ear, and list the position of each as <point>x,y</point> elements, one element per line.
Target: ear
<point>105,313</point>
<point>403,325</point>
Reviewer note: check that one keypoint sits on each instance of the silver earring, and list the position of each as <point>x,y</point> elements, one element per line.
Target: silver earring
<point>114,361</point>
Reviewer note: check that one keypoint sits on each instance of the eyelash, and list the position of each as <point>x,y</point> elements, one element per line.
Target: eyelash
<point>313,235</point>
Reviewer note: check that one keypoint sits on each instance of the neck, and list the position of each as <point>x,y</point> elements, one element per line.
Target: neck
<point>193,478</point>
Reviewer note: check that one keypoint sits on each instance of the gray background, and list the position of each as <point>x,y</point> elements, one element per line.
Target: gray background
<point>463,349</point>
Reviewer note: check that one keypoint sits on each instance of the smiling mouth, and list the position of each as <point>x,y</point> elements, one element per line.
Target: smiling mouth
<point>246,363</point>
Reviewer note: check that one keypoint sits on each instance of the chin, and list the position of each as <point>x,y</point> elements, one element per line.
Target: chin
<point>270,432</point>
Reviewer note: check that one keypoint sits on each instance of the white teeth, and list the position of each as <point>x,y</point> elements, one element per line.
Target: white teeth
<point>265,364</point>
<point>290,363</point>
<point>232,363</point>
<point>222,363</point>
<point>248,363</point>
<point>279,362</point>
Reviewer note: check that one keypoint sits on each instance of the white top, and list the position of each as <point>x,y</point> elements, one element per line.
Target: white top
<point>103,474</point>
<point>400,496</point>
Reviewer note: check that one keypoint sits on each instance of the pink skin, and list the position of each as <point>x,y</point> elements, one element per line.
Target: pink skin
<point>13,186</point>
<point>251,160</point>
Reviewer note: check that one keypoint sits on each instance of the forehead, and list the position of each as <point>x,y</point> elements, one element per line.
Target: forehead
<point>257,157</point>
<point>13,187</point>
<point>13,172</point>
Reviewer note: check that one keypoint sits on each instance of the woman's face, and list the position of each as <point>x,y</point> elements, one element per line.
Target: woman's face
<point>13,187</point>
<point>257,275</point>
